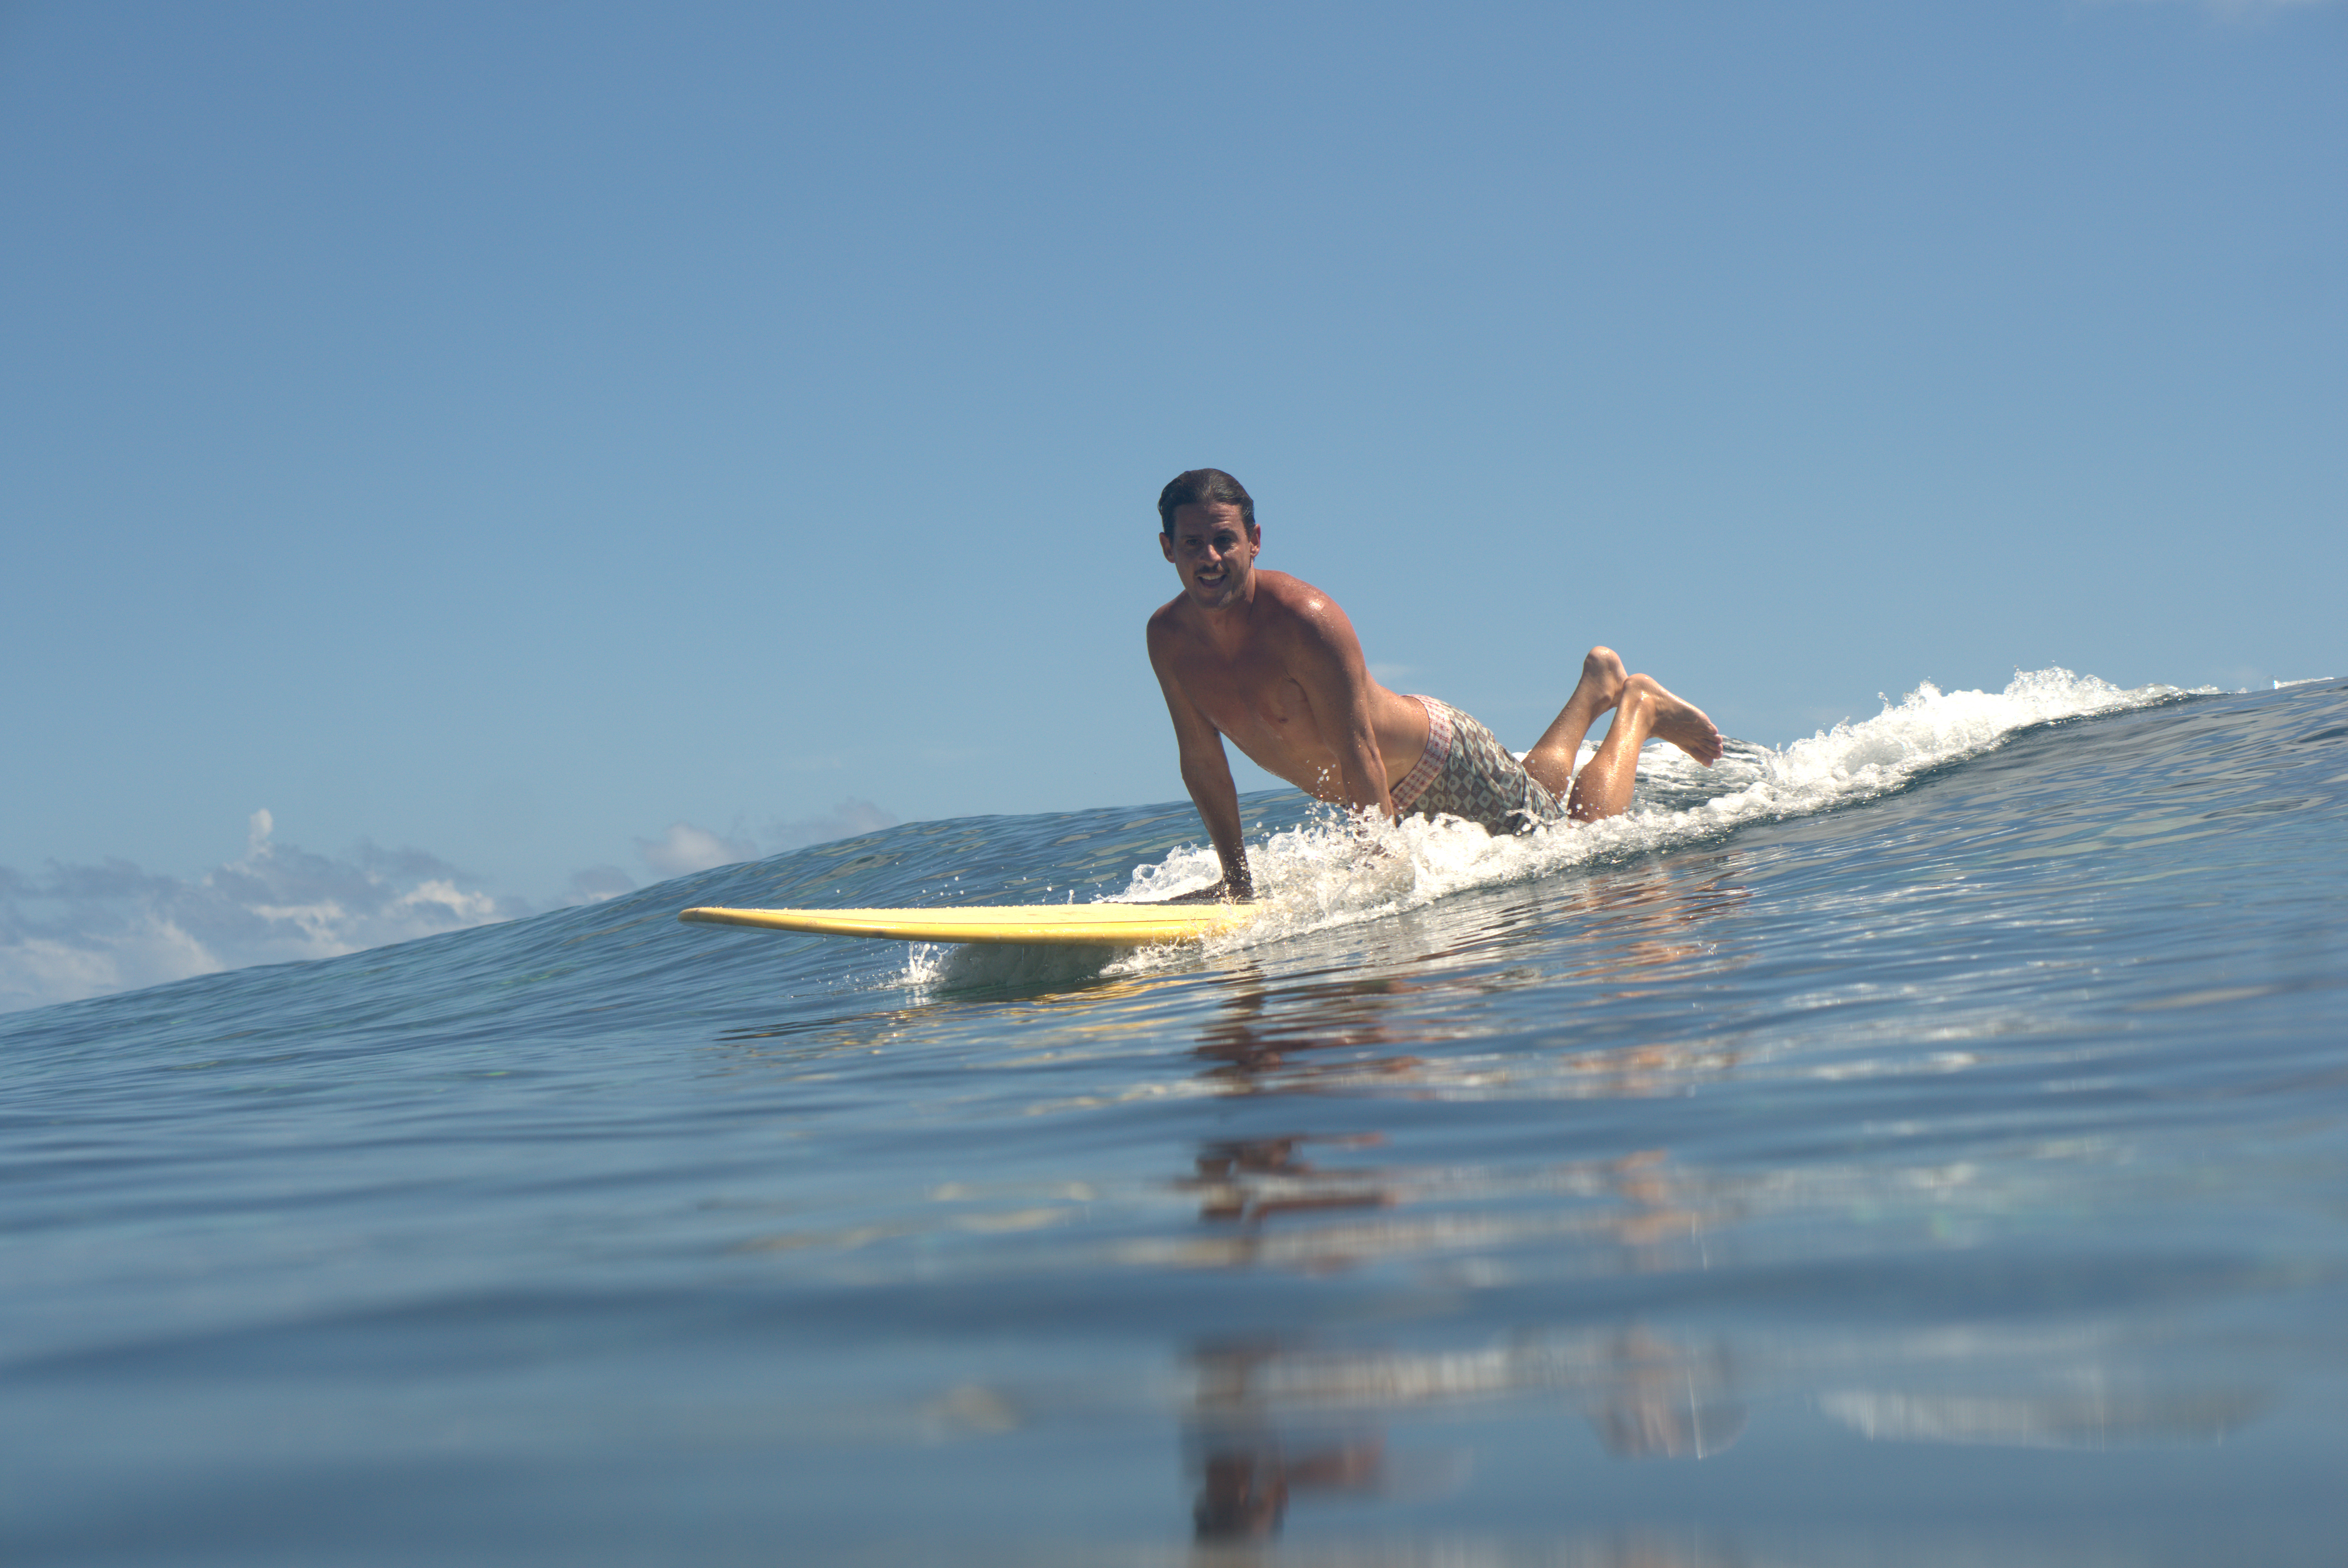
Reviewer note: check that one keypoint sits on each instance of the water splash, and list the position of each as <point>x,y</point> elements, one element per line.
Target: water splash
<point>1319,875</point>
<point>1336,870</point>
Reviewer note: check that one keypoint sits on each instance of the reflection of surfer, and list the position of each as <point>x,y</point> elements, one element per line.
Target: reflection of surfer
<point>1246,1469</point>
<point>1274,664</point>
<point>1269,1421</point>
<point>1664,1402</point>
<point>1252,1179</point>
<point>1243,1492</point>
<point>1250,1055</point>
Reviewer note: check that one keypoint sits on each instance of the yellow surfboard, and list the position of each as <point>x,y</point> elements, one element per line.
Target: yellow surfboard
<point>1116,925</point>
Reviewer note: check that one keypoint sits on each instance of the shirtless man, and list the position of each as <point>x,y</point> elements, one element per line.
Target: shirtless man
<point>1272,663</point>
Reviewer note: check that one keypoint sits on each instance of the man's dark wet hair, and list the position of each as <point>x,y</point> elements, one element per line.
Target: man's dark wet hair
<point>1203,486</point>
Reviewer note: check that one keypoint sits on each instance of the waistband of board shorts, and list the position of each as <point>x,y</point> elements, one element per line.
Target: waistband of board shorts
<point>1431,757</point>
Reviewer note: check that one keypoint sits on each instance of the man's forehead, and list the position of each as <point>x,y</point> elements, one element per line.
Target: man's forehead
<point>1207,515</point>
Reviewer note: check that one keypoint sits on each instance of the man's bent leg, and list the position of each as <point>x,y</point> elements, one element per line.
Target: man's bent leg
<point>1645,709</point>
<point>1551,761</point>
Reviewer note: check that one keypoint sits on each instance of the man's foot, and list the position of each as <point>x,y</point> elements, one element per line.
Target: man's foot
<point>1600,691</point>
<point>1602,682</point>
<point>1676,720</point>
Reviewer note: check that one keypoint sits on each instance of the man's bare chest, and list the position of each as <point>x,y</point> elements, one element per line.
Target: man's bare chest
<point>1251,695</point>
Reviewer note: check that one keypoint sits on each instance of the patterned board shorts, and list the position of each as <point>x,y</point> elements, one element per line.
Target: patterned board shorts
<point>1464,771</point>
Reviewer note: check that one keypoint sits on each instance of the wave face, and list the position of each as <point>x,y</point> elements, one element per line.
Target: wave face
<point>1924,1141</point>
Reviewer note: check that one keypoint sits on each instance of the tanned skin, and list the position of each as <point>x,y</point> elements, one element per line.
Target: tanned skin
<point>1272,663</point>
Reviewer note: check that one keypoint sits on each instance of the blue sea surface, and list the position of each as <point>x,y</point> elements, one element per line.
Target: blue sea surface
<point>1923,1144</point>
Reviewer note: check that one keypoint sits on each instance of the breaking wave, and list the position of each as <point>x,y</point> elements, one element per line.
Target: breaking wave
<point>1332,870</point>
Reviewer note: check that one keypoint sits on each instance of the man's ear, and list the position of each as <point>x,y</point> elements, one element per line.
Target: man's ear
<point>1166,543</point>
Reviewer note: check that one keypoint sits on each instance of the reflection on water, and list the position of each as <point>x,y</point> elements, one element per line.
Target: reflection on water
<point>1252,1179</point>
<point>2085,1408</point>
<point>1624,943</point>
<point>1265,1038</point>
<point>1660,1400</point>
<point>1264,1422</point>
<point>1934,1180</point>
<point>1269,1422</point>
<point>1491,1256</point>
<point>1251,1455</point>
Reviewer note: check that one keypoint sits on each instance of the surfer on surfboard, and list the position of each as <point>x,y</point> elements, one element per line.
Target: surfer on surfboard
<point>1271,662</point>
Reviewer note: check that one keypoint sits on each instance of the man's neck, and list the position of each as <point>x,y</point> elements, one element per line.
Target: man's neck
<point>1227,626</point>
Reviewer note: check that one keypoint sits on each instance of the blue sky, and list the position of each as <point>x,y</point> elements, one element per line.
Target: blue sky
<point>548,441</point>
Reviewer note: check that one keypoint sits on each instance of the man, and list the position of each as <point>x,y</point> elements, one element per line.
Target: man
<point>1272,663</point>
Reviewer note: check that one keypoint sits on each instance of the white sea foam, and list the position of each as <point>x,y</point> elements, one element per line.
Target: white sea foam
<point>1334,872</point>
<point>1318,876</point>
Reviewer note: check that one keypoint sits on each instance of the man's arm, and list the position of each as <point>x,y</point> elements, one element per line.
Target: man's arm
<point>1207,774</point>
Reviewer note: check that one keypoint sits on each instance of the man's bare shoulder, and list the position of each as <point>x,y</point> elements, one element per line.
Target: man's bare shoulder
<point>1283,610</point>
<point>1300,609</point>
<point>1166,620</point>
<point>1292,594</point>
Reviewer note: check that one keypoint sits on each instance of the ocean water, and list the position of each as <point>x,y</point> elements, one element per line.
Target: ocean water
<point>1927,1143</point>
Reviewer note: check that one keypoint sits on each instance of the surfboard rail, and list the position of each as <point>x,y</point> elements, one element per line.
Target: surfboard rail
<point>1091,925</point>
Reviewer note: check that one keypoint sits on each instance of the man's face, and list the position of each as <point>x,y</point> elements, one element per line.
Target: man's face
<point>1213,550</point>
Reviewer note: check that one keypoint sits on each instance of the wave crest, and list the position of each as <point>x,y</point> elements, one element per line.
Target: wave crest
<point>1335,870</point>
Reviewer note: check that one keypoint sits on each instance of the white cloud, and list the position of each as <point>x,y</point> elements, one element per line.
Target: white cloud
<point>76,931</point>
<point>685,848</point>
<point>598,883</point>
